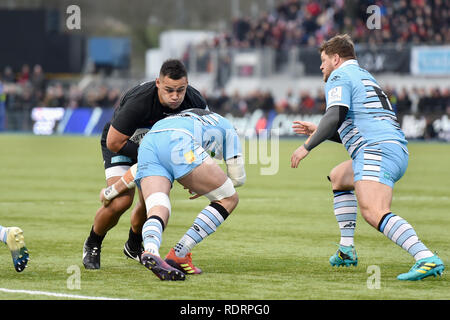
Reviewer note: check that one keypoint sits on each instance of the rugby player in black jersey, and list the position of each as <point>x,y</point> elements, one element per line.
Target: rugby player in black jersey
<point>140,107</point>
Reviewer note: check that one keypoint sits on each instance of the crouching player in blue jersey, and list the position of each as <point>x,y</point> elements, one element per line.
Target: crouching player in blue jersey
<point>359,115</point>
<point>13,238</point>
<point>177,148</point>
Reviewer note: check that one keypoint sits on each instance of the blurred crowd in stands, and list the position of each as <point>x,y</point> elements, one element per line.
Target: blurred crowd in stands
<point>310,22</point>
<point>29,88</point>
<point>291,23</point>
<point>32,87</point>
<point>412,101</point>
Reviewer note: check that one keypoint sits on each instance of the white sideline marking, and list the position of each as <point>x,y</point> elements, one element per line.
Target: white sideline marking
<point>55,294</point>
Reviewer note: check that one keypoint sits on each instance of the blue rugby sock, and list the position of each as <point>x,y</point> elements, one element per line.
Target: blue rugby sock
<point>152,234</point>
<point>206,223</point>
<point>402,233</point>
<point>345,211</point>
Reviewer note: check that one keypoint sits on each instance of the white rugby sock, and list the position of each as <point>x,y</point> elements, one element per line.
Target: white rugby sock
<point>345,210</point>
<point>152,234</point>
<point>3,234</point>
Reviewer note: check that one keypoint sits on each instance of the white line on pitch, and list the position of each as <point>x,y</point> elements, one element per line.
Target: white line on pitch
<point>58,295</point>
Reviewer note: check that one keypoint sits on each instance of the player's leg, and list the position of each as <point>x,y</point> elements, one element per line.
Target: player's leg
<point>133,246</point>
<point>374,200</point>
<point>207,179</point>
<point>345,211</point>
<point>373,186</point>
<point>155,195</point>
<point>154,179</point>
<point>13,238</point>
<point>344,201</point>
<point>107,217</point>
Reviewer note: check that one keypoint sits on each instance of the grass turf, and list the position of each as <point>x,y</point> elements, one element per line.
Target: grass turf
<point>275,246</point>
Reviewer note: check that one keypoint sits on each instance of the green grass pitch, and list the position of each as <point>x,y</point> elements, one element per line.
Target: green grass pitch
<point>274,246</point>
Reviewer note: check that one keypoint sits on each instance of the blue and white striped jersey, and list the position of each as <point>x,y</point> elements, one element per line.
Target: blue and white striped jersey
<point>212,131</point>
<point>370,118</point>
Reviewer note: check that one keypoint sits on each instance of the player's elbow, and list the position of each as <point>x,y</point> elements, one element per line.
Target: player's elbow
<point>112,145</point>
<point>115,140</point>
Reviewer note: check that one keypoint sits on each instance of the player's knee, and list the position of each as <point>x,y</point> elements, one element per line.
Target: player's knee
<point>229,203</point>
<point>234,199</point>
<point>333,178</point>
<point>225,195</point>
<point>226,190</point>
<point>161,201</point>
<point>340,180</point>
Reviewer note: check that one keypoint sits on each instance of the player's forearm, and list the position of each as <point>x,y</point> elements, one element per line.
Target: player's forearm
<point>125,183</point>
<point>336,137</point>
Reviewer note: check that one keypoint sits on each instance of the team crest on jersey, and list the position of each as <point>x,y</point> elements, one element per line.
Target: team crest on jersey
<point>189,156</point>
<point>335,94</point>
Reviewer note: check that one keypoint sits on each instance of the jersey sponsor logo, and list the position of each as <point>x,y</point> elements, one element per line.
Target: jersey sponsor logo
<point>335,94</point>
<point>189,156</point>
<point>335,78</point>
<point>118,159</point>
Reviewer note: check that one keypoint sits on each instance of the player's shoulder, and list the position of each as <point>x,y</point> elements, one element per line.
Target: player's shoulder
<point>195,98</point>
<point>339,75</point>
<point>139,91</point>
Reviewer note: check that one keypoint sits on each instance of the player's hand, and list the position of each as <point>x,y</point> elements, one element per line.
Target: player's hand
<point>299,154</point>
<point>103,200</point>
<point>304,127</point>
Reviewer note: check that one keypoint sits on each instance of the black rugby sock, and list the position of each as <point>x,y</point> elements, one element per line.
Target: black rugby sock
<point>95,239</point>
<point>134,240</point>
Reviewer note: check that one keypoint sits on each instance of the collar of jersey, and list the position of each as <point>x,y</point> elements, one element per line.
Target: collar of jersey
<point>349,62</point>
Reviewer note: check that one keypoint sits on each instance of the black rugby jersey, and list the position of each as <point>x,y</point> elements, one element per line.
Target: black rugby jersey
<point>140,107</point>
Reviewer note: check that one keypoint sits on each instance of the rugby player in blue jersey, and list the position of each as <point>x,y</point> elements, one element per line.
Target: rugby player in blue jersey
<point>181,147</point>
<point>358,114</point>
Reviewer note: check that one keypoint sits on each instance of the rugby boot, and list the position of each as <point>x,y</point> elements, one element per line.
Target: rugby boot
<point>16,244</point>
<point>91,256</point>
<point>344,256</point>
<point>133,253</point>
<point>160,268</point>
<point>184,264</point>
<point>431,266</point>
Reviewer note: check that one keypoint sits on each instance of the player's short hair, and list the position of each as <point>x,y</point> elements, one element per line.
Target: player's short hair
<point>341,44</point>
<point>174,69</point>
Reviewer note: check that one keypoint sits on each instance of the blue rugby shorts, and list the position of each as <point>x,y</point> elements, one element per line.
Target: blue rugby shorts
<point>171,154</point>
<point>384,162</point>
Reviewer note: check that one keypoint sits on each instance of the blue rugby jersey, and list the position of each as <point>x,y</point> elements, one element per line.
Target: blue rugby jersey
<point>213,132</point>
<point>370,118</point>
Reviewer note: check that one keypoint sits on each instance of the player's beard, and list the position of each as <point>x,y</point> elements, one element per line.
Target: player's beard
<point>326,76</point>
